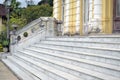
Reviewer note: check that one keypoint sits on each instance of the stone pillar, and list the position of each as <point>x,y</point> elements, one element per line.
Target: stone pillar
<point>73,17</point>
<point>57,9</point>
<point>67,17</point>
<point>95,16</point>
<point>107,16</point>
<point>70,16</point>
<point>98,9</point>
<point>81,17</point>
<point>78,16</point>
<point>50,27</point>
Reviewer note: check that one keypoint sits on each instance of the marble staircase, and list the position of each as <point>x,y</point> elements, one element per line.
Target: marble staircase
<point>68,58</point>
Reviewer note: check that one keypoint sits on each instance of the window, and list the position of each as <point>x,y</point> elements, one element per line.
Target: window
<point>118,8</point>
<point>63,7</point>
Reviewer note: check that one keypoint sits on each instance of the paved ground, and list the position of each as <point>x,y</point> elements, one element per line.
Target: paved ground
<point>5,73</point>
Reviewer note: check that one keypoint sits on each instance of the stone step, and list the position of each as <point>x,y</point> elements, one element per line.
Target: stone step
<point>72,69</point>
<point>109,59</point>
<point>107,39</point>
<point>113,47</point>
<point>21,73</point>
<point>86,43</point>
<point>82,41</point>
<point>30,67</point>
<point>88,64</point>
<point>93,65</point>
<point>50,71</point>
<point>96,50</point>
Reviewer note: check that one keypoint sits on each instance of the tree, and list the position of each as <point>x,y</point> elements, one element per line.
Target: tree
<point>21,22</point>
<point>29,2</point>
<point>15,10</point>
<point>16,15</point>
<point>22,16</point>
<point>33,12</point>
<point>50,2</point>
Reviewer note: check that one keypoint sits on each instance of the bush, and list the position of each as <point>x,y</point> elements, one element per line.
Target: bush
<point>5,43</point>
<point>1,48</point>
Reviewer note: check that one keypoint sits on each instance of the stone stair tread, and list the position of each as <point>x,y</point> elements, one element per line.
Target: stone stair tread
<point>111,49</point>
<point>21,74</point>
<point>77,52</point>
<point>53,70</point>
<point>30,69</point>
<point>105,36</point>
<point>82,41</point>
<point>90,36</point>
<point>80,69</point>
<point>99,48</point>
<point>117,68</point>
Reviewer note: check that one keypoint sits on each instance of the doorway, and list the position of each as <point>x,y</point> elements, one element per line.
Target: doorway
<point>116,16</point>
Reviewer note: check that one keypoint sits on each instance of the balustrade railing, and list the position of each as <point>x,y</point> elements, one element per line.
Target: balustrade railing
<point>33,32</point>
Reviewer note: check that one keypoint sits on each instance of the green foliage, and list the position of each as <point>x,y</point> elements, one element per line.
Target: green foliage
<point>5,43</point>
<point>3,27</point>
<point>14,4</point>
<point>19,21</point>
<point>3,39</point>
<point>15,15</point>
<point>50,2</point>
<point>30,2</point>
<point>22,16</point>
<point>15,10</point>
<point>33,12</point>
<point>2,36</point>
<point>1,48</point>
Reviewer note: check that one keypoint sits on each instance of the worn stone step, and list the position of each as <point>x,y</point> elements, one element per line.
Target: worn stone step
<point>30,67</point>
<point>72,68</point>
<point>88,64</point>
<point>109,59</point>
<point>82,41</point>
<point>106,39</point>
<point>97,50</point>
<point>92,65</point>
<point>113,47</point>
<point>85,43</point>
<point>56,74</point>
<point>20,72</point>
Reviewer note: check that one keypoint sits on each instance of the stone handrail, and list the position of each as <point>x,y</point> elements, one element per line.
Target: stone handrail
<point>36,30</point>
<point>31,24</point>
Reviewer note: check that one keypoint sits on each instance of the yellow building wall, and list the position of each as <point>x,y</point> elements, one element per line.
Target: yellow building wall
<point>57,9</point>
<point>73,20</point>
<point>107,16</point>
<point>66,16</point>
<point>81,17</point>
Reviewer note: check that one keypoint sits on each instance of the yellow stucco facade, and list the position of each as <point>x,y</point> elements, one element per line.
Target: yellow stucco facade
<point>107,16</point>
<point>85,16</point>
